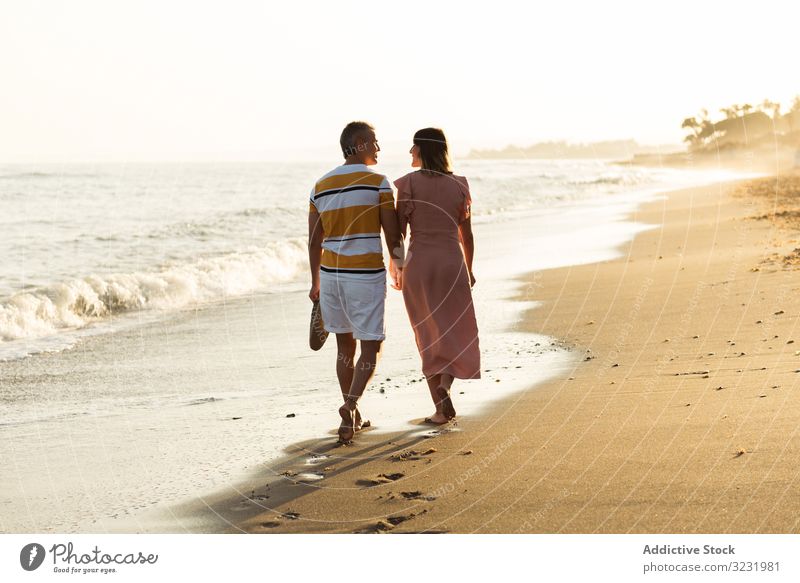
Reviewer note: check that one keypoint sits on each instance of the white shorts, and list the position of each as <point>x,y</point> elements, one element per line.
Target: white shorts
<point>353,305</point>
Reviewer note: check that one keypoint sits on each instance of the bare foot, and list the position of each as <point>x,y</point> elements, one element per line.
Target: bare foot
<point>361,424</point>
<point>347,429</point>
<point>437,419</point>
<point>447,405</point>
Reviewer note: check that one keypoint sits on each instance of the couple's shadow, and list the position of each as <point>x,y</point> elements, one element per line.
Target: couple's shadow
<point>307,467</point>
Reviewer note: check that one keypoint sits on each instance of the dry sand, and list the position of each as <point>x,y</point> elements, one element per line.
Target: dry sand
<point>682,415</point>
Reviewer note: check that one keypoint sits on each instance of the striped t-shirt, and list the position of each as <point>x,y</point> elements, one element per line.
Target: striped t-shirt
<point>348,200</point>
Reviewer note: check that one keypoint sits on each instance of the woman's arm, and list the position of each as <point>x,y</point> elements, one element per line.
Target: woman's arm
<point>402,215</point>
<point>468,244</point>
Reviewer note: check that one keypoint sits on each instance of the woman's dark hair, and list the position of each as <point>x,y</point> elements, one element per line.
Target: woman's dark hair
<point>433,151</point>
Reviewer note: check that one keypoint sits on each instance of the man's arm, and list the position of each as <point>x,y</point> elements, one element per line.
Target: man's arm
<point>394,242</point>
<point>315,235</point>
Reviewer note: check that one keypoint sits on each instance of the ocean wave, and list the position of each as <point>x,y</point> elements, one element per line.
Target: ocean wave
<point>18,175</point>
<point>610,179</point>
<point>76,303</point>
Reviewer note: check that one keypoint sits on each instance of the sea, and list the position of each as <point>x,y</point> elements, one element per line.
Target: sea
<point>154,323</point>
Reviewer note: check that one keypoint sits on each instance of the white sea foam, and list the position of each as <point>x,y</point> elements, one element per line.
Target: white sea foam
<point>164,237</point>
<point>75,303</point>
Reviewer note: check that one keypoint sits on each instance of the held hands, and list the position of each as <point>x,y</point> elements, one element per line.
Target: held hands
<point>397,275</point>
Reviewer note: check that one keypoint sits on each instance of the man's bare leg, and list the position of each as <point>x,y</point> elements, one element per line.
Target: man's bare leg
<point>364,371</point>
<point>345,361</point>
<point>345,364</point>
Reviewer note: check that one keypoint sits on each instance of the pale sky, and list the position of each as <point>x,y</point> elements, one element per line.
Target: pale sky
<point>142,80</point>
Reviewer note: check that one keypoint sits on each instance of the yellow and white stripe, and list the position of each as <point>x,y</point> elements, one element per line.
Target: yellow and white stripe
<point>348,200</point>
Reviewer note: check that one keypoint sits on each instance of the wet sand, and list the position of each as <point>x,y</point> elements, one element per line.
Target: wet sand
<point>681,415</point>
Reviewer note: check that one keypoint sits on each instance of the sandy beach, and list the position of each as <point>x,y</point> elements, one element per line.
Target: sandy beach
<point>680,416</point>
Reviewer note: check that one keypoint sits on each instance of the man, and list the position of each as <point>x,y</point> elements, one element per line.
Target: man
<point>349,207</point>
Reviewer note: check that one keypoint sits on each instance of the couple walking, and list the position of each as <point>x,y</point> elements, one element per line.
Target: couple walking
<point>349,208</point>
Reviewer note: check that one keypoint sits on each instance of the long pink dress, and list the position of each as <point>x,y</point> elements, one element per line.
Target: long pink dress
<point>436,286</point>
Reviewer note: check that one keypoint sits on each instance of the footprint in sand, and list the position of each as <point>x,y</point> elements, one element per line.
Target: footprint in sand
<point>388,524</point>
<point>393,477</point>
<point>395,520</point>
<point>377,528</point>
<point>438,432</point>
<point>309,477</point>
<point>381,479</point>
<point>412,454</point>
<point>315,459</point>
<point>370,482</point>
<point>417,495</point>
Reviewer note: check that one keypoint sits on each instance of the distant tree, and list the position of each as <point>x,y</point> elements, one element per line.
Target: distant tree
<point>691,124</point>
<point>772,108</point>
<point>794,113</point>
<point>700,129</point>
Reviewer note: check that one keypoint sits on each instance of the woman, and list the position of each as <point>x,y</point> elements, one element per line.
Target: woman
<point>437,278</point>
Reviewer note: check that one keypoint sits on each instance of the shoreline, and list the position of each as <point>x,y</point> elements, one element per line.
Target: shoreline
<point>185,406</point>
<point>575,454</point>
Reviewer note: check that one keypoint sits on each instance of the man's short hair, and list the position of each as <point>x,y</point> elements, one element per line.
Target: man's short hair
<point>349,134</point>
